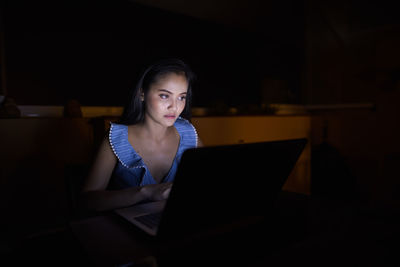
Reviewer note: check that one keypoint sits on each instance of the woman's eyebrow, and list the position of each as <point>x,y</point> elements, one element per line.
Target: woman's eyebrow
<point>169,92</point>
<point>165,90</point>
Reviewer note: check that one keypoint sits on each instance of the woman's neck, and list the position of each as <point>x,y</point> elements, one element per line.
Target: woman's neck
<point>153,131</point>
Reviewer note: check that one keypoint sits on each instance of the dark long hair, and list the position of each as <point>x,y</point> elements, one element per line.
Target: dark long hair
<point>135,108</point>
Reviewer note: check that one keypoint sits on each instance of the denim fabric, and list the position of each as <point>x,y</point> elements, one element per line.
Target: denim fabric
<point>130,169</point>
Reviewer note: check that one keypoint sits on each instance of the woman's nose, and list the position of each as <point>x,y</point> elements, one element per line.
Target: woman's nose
<point>172,104</point>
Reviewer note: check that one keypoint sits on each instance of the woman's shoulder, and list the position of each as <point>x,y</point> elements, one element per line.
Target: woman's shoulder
<point>117,132</point>
<point>117,135</point>
<point>182,124</point>
<point>117,127</point>
<point>118,138</point>
<point>186,130</point>
<point>182,121</point>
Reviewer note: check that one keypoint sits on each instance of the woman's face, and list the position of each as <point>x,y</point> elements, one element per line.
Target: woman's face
<point>166,99</point>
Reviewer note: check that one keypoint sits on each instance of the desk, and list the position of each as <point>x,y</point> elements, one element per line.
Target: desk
<point>307,232</point>
<point>109,240</point>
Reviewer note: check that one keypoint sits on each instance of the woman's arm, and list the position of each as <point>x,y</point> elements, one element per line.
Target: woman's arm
<point>95,195</point>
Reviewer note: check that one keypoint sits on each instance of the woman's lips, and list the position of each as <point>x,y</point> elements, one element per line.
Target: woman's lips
<point>170,116</point>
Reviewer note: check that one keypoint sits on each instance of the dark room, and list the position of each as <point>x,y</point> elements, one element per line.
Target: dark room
<point>261,132</point>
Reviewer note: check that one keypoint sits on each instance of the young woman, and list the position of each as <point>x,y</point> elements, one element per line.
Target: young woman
<point>139,158</point>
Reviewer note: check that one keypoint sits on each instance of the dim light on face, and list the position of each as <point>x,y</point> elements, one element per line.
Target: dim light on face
<point>166,99</point>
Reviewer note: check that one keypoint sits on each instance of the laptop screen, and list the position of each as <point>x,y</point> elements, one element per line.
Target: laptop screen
<point>222,184</point>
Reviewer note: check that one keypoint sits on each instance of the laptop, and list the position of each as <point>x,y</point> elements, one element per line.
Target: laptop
<point>219,188</point>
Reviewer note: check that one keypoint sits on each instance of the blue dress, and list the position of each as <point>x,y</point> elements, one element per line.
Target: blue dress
<point>130,169</point>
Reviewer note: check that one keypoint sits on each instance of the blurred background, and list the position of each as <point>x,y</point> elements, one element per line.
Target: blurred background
<point>93,51</point>
<point>244,52</point>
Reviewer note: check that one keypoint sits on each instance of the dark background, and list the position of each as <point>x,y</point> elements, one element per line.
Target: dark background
<point>244,52</point>
<point>94,51</point>
<point>308,52</point>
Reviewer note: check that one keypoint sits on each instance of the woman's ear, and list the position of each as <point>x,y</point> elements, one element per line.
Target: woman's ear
<point>141,94</point>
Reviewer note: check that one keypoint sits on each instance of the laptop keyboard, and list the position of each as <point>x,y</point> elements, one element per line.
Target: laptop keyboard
<point>150,220</point>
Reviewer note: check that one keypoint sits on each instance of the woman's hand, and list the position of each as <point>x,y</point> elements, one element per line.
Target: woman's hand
<point>157,192</point>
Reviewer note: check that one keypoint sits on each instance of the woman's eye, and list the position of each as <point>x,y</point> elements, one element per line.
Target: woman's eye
<point>182,98</point>
<point>163,96</point>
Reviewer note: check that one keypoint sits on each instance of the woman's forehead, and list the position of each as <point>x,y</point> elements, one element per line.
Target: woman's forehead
<point>169,75</point>
<point>172,80</point>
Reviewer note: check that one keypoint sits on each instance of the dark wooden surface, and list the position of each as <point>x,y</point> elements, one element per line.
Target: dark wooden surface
<point>302,231</point>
